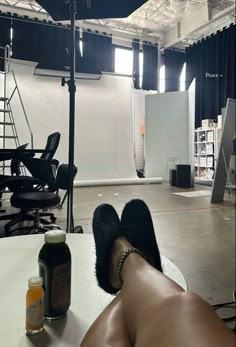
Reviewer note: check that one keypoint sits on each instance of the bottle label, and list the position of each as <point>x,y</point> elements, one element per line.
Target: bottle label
<point>35,314</point>
<point>61,287</point>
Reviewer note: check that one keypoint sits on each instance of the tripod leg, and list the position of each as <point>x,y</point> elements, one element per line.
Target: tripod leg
<point>63,200</point>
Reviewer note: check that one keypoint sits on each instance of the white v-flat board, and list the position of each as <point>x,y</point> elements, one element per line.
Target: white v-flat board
<point>166,134</point>
<point>228,135</point>
<point>191,125</point>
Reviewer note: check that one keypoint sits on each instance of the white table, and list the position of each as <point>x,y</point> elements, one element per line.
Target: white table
<point>19,262</point>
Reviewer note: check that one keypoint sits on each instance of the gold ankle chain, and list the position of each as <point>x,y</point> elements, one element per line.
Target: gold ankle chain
<point>123,259</point>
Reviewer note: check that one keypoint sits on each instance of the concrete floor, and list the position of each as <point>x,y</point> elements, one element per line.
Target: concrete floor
<point>197,236</point>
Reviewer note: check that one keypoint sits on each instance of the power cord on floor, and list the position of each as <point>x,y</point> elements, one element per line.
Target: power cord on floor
<point>230,305</point>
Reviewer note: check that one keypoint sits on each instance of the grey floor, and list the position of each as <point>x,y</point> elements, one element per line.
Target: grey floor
<point>197,236</point>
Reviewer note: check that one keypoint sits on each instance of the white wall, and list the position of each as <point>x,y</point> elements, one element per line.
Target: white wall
<point>166,132</point>
<point>1,85</point>
<point>104,121</point>
<point>1,106</point>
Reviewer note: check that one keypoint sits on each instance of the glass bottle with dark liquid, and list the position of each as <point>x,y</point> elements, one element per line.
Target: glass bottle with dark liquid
<point>55,269</point>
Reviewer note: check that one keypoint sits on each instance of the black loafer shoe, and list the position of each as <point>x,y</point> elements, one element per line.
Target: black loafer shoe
<point>137,228</point>
<point>106,229</point>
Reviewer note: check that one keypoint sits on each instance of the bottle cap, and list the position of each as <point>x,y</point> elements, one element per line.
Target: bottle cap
<point>55,236</point>
<point>35,282</point>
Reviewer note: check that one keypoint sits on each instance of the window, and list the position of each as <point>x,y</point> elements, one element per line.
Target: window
<point>162,81</point>
<point>140,69</point>
<point>11,34</point>
<point>182,79</point>
<point>123,61</point>
<point>81,47</point>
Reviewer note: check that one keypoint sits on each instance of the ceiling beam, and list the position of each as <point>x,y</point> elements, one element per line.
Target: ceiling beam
<point>186,25</point>
<point>191,24</point>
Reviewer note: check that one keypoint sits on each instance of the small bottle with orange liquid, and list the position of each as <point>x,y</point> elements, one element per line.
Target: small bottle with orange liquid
<point>35,306</point>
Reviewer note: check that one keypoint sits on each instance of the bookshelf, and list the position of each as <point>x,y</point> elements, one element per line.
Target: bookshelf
<point>206,149</point>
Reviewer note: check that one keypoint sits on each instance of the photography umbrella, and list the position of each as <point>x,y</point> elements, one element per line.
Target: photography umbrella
<point>71,10</point>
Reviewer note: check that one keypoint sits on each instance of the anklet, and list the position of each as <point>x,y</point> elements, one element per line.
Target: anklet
<point>123,259</point>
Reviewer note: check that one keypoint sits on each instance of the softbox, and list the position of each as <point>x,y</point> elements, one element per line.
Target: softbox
<point>91,9</point>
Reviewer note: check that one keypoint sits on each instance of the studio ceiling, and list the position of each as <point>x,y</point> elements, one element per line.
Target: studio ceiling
<point>155,18</point>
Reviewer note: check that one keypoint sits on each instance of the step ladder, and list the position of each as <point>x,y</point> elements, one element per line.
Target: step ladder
<point>8,132</point>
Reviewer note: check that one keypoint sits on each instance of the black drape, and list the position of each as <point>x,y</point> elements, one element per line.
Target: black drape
<point>97,52</point>
<point>43,43</point>
<point>27,40</point>
<point>49,44</point>
<point>54,47</point>
<point>212,62</point>
<point>5,27</point>
<point>174,62</point>
<point>136,73</point>
<point>150,63</point>
<point>105,57</point>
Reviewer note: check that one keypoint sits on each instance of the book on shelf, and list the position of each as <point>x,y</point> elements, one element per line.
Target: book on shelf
<point>210,136</point>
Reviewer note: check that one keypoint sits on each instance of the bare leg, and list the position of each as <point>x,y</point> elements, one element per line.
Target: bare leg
<point>158,312</point>
<point>109,328</point>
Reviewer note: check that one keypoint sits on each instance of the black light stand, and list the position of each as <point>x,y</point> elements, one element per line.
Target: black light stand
<point>72,91</point>
<point>87,9</point>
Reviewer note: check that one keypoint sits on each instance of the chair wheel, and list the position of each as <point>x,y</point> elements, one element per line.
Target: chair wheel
<point>78,230</point>
<point>53,219</point>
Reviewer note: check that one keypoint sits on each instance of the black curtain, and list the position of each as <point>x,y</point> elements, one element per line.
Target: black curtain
<point>136,73</point>
<point>150,63</point>
<point>212,62</point>
<point>5,27</point>
<point>43,43</point>
<point>49,45</point>
<point>97,52</point>
<point>105,57</point>
<point>27,40</point>
<point>54,48</point>
<point>174,62</point>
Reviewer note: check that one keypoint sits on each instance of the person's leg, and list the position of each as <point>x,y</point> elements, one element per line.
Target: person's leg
<point>157,312</point>
<point>109,328</point>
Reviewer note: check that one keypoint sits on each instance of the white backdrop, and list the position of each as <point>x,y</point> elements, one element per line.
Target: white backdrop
<point>104,128</point>
<point>104,146</point>
<point>1,106</point>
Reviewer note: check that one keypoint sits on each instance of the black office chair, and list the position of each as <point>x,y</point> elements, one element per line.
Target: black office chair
<point>15,167</point>
<point>39,168</point>
<point>43,174</point>
<point>37,201</point>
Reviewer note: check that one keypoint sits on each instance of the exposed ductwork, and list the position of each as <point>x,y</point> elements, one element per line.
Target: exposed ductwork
<point>178,6</point>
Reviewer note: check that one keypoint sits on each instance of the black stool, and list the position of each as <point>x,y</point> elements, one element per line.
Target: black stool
<point>35,201</point>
